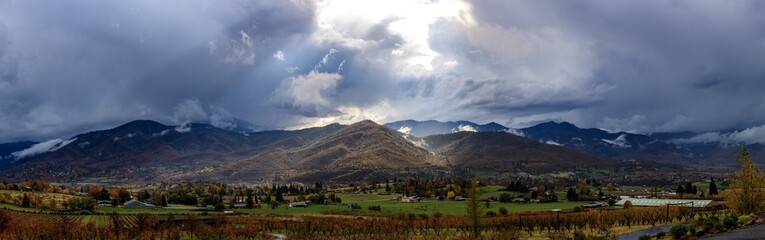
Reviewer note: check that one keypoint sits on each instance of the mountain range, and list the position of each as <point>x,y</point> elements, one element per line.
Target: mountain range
<point>149,151</point>
<point>660,147</point>
<point>432,127</point>
<point>145,150</point>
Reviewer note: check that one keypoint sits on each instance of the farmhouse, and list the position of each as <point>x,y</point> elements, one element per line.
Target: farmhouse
<point>644,202</point>
<point>135,204</point>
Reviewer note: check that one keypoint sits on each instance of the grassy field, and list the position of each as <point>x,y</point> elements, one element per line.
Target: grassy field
<point>387,203</point>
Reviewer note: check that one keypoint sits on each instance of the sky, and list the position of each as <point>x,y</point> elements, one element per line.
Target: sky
<point>68,67</point>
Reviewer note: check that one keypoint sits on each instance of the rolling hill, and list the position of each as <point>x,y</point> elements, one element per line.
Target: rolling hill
<point>505,152</point>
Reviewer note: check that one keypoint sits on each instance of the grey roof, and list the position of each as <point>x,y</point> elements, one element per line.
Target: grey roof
<point>663,202</point>
<point>134,202</point>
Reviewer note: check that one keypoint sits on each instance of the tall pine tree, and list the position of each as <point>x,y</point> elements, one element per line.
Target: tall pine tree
<point>712,187</point>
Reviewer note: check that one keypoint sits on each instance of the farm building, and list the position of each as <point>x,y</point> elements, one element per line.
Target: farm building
<point>102,203</point>
<point>595,205</point>
<point>135,204</point>
<point>298,204</point>
<point>644,202</point>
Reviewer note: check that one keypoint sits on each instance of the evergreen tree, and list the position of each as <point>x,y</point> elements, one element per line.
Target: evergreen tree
<point>279,197</point>
<point>250,202</point>
<point>104,194</point>
<point>712,187</point>
<point>680,190</point>
<point>25,201</point>
<point>689,189</point>
<point>163,202</point>
<point>571,194</point>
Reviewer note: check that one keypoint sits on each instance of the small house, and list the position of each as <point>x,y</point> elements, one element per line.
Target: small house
<point>104,203</point>
<point>298,204</point>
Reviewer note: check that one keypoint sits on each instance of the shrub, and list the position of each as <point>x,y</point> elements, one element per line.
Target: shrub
<point>678,231</point>
<point>437,215</point>
<point>412,216</point>
<point>744,219</point>
<point>423,216</point>
<point>661,234</point>
<point>503,211</point>
<point>644,237</point>
<point>710,223</point>
<point>491,214</point>
<point>730,221</point>
<point>375,208</point>
<point>579,235</point>
<point>700,233</point>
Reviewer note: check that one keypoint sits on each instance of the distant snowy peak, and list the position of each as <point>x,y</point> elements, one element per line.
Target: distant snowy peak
<point>620,141</point>
<point>432,127</point>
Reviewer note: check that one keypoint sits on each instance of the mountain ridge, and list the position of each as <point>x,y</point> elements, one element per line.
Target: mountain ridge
<point>145,150</point>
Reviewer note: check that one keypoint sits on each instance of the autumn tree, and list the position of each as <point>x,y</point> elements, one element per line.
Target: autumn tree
<point>745,194</point>
<point>473,208</point>
<point>583,189</point>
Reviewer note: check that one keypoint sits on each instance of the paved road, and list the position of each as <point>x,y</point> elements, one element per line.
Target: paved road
<point>753,232</point>
<point>637,234</point>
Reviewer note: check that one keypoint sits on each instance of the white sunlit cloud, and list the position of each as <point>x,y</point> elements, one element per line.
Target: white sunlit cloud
<point>405,130</point>
<point>749,135</point>
<point>466,128</point>
<point>279,55</point>
<point>43,147</point>
<point>347,21</point>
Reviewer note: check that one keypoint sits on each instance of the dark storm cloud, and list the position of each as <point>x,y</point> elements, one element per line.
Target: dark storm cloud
<point>661,65</point>
<point>67,67</point>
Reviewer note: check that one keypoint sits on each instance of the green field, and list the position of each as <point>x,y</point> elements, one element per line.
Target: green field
<point>387,203</point>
